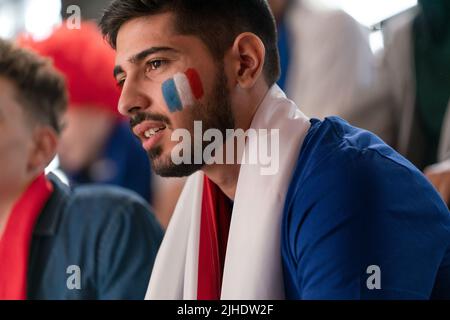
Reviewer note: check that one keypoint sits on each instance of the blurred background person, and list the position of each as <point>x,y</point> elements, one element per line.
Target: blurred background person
<point>57,243</point>
<point>97,145</point>
<point>416,78</point>
<point>328,67</point>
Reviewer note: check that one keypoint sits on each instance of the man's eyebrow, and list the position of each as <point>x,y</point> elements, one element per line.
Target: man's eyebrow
<point>137,58</point>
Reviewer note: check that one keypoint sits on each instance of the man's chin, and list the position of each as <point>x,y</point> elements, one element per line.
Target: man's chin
<point>164,167</point>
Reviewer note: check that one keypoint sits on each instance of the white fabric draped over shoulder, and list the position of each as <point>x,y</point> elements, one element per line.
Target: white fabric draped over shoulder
<point>253,265</point>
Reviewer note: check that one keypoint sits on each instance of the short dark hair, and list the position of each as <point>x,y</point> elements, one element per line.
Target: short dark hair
<point>41,89</point>
<point>216,22</point>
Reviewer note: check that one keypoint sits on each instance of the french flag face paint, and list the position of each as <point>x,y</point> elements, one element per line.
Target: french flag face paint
<point>182,90</point>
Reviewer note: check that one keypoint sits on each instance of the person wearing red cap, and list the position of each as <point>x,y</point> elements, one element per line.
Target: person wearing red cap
<point>97,145</point>
<point>56,243</point>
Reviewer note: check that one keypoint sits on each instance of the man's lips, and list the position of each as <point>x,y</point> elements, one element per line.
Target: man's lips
<point>145,127</point>
<point>149,132</point>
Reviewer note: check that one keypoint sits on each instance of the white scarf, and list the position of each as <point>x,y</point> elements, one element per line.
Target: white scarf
<point>253,266</point>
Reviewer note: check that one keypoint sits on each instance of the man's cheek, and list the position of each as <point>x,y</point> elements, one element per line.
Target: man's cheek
<point>183,90</point>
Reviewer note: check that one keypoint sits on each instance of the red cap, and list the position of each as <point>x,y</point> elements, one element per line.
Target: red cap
<point>86,61</point>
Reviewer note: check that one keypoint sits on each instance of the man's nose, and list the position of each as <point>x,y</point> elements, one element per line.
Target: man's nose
<point>132,101</point>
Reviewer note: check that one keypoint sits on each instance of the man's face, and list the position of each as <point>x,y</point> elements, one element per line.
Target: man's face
<point>149,52</point>
<point>15,141</point>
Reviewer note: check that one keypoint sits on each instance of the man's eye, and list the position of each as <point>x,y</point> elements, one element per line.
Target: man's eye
<point>120,83</point>
<point>155,64</point>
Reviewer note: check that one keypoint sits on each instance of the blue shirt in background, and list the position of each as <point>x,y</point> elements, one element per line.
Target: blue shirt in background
<point>285,53</point>
<point>123,163</point>
<point>92,243</point>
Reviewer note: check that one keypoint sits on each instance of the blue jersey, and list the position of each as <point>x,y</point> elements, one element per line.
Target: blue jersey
<point>361,222</point>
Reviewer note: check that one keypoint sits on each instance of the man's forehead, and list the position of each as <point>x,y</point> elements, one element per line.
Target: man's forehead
<point>8,97</point>
<point>6,84</point>
<point>141,33</point>
<point>7,88</point>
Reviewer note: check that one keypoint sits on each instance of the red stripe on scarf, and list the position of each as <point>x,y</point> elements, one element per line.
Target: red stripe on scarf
<point>215,224</point>
<point>15,243</point>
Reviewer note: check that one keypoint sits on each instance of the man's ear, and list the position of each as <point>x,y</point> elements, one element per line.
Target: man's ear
<point>248,56</point>
<point>45,144</point>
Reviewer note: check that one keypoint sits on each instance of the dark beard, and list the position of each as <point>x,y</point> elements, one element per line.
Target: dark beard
<point>164,167</point>
<point>215,114</point>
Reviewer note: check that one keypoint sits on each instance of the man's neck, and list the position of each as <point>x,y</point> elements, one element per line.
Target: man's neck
<point>226,176</point>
